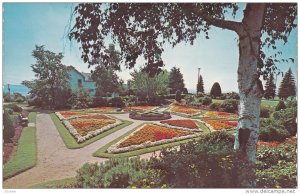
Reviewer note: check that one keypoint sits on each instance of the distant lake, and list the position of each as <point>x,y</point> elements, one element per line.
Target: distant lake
<point>16,89</point>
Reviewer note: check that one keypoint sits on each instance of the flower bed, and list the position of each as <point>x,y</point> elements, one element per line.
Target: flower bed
<point>185,123</point>
<point>186,111</point>
<point>216,114</point>
<point>268,144</point>
<point>69,114</point>
<point>150,135</point>
<point>139,108</point>
<point>94,116</point>
<point>216,125</point>
<point>103,109</point>
<point>83,129</point>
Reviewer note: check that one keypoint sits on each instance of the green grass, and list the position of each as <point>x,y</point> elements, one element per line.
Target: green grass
<point>62,183</point>
<point>102,152</point>
<point>25,156</point>
<point>272,103</point>
<point>217,101</point>
<point>32,117</point>
<point>71,143</point>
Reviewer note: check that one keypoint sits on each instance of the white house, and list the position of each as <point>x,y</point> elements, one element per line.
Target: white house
<point>80,79</point>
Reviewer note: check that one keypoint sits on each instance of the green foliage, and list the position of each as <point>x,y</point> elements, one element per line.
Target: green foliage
<point>232,95</point>
<point>200,85</point>
<point>14,107</point>
<point>230,105</point>
<point>287,87</point>
<point>176,81</point>
<point>178,96</point>
<point>116,102</point>
<point>287,118</point>
<point>107,81</point>
<point>215,105</point>
<point>272,130</point>
<point>276,166</point>
<point>8,128</point>
<point>270,88</point>
<point>26,155</point>
<point>265,112</point>
<point>216,90</point>
<point>6,97</point>
<point>98,102</point>
<point>280,105</point>
<point>51,85</point>
<point>147,88</point>
<point>206,100</point>
<point>114,173</point>
<point>80,99</point>
<point>208,163</point>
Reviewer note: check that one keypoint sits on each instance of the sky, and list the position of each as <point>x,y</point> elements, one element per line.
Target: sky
<point>28,24</point>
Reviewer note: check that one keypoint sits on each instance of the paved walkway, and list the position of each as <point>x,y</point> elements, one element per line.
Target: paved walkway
<point>55,161</point>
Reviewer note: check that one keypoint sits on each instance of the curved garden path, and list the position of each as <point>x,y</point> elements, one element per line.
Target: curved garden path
<point>55,161</point>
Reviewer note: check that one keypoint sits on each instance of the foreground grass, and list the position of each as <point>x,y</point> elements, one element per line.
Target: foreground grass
<point>26,155</point>
<point>71,143</point>
<point>102,152</point>
<point>32,117</point>
<point>62,183</point>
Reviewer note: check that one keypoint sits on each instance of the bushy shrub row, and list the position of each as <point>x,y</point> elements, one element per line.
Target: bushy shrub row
<point>8,127</point>
<point>13,107</point>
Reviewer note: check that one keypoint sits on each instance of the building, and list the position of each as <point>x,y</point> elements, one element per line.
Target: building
<point>80,79</point>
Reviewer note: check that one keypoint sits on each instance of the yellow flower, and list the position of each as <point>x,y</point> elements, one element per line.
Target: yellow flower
<point>277,186</point>
<point>144,180</point>
<point>133,187</point>
<point>152,183</point>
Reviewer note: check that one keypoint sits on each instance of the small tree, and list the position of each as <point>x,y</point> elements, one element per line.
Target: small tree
<point>287,87</point>
<point>8,127</point>
<point>270,88</point>
<point>200,85</point>
<point>178,96</point>
<point>280,106</point>
<point>216,90</point>
<point>176,81</point>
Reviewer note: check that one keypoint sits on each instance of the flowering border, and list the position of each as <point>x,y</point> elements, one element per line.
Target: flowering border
<point>90,134</point>
<point>181,128</point>
<point>113,149</point>
<point>211,127</point>
<point>232,116</point>
<point>72,117</point>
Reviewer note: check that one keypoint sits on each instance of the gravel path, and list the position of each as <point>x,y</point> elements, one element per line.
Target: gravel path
<point>55,161</point>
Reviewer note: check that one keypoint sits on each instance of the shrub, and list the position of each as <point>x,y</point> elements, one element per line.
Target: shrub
<point>230,105</point>
<point>215,105</point>
<point>232,95</point>
<point>208,163</point>
<point>19,99</point>
<point>178,96</point>
<point>9,130</point>
<point>216,90</point>
<point>114,173</point>
<point>189,99</point>
<point>14,107</point>
<point>287,117</point>
<point>98,102</point>
<point>280,106</point>
<point>80,99</point>
<point>291,103</point>
<point>9,111</point>
<point>206,100</point>
<point>200,94</point>
<point>272,130</point>
<point>265,112</point>
<point>6,97</point>
<point>117,102</point>
<point>277,166</point>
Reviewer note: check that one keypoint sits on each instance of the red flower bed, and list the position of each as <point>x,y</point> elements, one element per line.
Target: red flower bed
<point>220,124</point>
<point>181,123</point>
<point>84,126</point>
<point>269,144</point>
<point>152,133</point>
<point>68,114</point>
<point>184,109</point>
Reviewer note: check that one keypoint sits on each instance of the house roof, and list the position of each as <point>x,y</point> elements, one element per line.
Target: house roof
<point>86,76</point>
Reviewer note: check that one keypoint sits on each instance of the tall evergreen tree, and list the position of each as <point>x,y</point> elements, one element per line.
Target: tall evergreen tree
<point>176,81</point>
<point>287,87</point>
<point>200,85</point>
<point>270,88</point>
<point>216,90</point>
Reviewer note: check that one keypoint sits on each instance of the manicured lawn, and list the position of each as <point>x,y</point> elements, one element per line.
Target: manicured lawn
<point>217,101</point>
<point>71,143</point>
<point>272,103</point>
<point>32,117</point>
<point>62,183</point>
<point>103,154</point>
<point>25,156</point>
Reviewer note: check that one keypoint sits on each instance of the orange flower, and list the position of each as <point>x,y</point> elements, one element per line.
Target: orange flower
<point>219,114</point>
<point>181,123</point>
<point>184,109</point>
<point>220,124</point>
<point>152,133</point>
<point>105,108</point>
<point>84,126</point>
<point>68,114</point>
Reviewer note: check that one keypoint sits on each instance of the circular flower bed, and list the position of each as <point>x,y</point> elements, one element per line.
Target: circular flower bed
<point>149,116</point>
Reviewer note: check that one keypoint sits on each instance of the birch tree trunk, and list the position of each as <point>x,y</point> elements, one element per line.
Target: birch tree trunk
<point>250,90</point>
